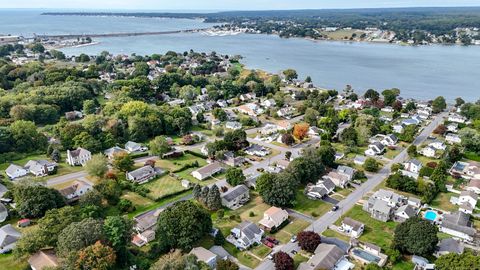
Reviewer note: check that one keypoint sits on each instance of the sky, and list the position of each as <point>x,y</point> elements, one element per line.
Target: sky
<point>184,5</point>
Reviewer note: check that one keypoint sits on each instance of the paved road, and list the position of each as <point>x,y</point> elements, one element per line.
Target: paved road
<point>322,223</point>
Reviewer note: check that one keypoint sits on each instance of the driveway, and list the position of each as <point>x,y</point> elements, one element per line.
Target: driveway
<point>330,200</point>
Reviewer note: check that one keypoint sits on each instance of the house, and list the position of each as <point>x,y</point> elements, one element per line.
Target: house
<point>473,185</point>
<point>257,150</point>
<point>404,212</point>
<point>251,180</point>
<point>339,179</point>
<point>417,203</point>
<point>467,201</point>
<point>233,125</point>
<point>458,225</point>
<point>222,103</point>
<point>247,96</point>
<point>378,209</point>
<point>268,103</point>
<point>231,160</point>
<point>387,109</point>
<point>44,259</point>
<point>235,197</point>
<point>452,138</point>
<point>142,175</point>
<point>78,157</point>
<point>205,256</point>
<point>286,112</point>
<point>8,238</point>
<point>392,198</point>
<point>327,256</point>
<point>449,245</point>
<point>397,128</point>
<point>112,152</point>
<point>376,148</point>
<point>452,127</point>
<point>456,118</point>
<point>428,152</point>
<point>359,160</point>
<point>208,171</point>
<point>146,221</point>
<point>352,227</point>
<point>14,171</point>
<point>143,238</point>
<point>269,129</point>
<point>77,189</point>
<point>3,190</point>
<point>250,109</point>
<point>133,147</point>
<point>274,217</point>
<point>3,213</point>
<point>411,121</point>
<point>245,235</point>
<point>321,189</point>
<point>437,145</point>
<point>284,125</point>
<point>40,167</point>
<point>389,140</point>
<point>412,168</point>
<point>466,170</point>
<point>72,115</point>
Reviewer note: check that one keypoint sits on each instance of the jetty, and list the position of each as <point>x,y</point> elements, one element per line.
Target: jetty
<point>124,34</point>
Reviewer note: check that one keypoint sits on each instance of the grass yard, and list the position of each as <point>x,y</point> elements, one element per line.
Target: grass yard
<point>8,261</point>
<point>376,232</point>
<point>261,251</point>
<point>403,265</point>
<point>155,205</point>
<point>137,200</point>
<point>206,242</point>
<point>332,233</point>
<point>163,186</point>
<point>391,154</point>
<point>242,256</point>
<point>314,208</point>
<point>296,226</point>
<point>298,259</point>
<point>442,201</point>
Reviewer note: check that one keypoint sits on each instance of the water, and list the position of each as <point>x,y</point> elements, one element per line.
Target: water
<point>431,215</point>
<point>419,72</point>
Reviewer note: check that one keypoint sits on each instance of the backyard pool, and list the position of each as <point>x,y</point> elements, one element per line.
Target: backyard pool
<point>366,256</point>
<point>430,215</point>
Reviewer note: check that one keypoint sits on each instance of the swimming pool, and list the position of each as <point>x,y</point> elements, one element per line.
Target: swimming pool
<point>366,255</point>
<point>430,215</point>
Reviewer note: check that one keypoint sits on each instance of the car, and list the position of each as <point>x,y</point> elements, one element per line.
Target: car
<point>270,256</point>
<point>268,244</point>
<point>335,208</point>
<point>272,240</point>
<point>260,169</point>
<point>293,251</point>
<point>293,239</point>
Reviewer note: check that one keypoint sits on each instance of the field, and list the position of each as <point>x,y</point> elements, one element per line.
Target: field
<point>8,261</point>
<point>341,34</point>
<point>314,208</point>
<point>163,186</point>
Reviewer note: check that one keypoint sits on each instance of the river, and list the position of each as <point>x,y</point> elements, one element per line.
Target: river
<point>422,72</point>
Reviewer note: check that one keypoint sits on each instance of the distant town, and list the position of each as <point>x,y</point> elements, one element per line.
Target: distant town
<point>189,160</point>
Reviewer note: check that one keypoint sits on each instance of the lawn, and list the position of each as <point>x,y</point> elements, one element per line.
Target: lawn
<point>442,201</point>
<point>298,259</point>
<point>242,256</point>
<point>137,200</point>
<point>155,205</point>
<point>296,226</point>
<point>163,186</point>
<point>391,154</point>
<point>8,261</point>
<point>314,208</point>
<point>332,233</point>
<point>177,163</point>
<point>261,251</point>
<point>206,242</point>
<point>376,232</point>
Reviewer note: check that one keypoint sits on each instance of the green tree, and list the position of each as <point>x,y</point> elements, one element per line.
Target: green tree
<point>89,106</point>
<point>227,265</point>
<point>459,102</point>
<point>219,239</point>
<point>97,166</point>
<point>34,200</point>
<point>416,236</point>
<point>159,146</point>
<point>412,150</point>
<point>290,74</point>
<point>235,176</point>
<point>277,190</point>
<point>96,256</point>
<point>110,190</point>
<point>79,235</point>
<point>371,165</point>
<point>25,136</point>
<point>464,261</point>
<point>174,260</point>
<point>372,95</point>
<point>56,156</point>
<point>175,229</point>
<point>118,232</point>
<point>213,200</point>
<point>439,104</point>
<point>220,114</point>
<point>123,162</point>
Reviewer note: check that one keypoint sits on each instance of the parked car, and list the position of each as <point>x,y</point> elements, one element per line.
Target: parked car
<point>272,240</point>
<point>293,251</point>
<point>335,208</point>
<point>268,244</point>
<point>270,256</point>
<point>293,239</point>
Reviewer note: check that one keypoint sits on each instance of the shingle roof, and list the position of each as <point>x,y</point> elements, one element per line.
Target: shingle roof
<point>326,256</point>
<point>249,229</point>
<point>8,235</point>
<point>356,225</point>
<point>458,221</point>
<point>450,245</point>
<point>235,192</point>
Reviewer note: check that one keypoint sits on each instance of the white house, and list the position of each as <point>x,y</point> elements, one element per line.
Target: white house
<point>412,168</point>
<point>268,103</point>
<point>207,171</point>
<point>467,201</point>
<point>14,171</point>
<point>78,157</point>
<point>397,128</point>
<point>245,235</point>
<point>389,140</point>
<point>233,125</point>
<point>235,197</point>
<point>257,150</point>
<point>3,213</point>
<point>77,189</point>
<point>8,238</point>
<point>428,151</point>
<point>452,127</point>
<point>387,109</point>
<point>132,147</point>
<point>141,175</point>
<point>438,145</point>
<point>205,256</point>
<point>374,149</point>
<point>352,227</point>
<point>453,138</point>
<point>458,225</point>
<point>269,129</point>
<point>273,218</point>
<point>40,167</point>
<point>456,118</point>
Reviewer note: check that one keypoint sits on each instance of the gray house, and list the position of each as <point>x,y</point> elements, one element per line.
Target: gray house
<point>235,197</point>
<point>141,175</point>
<point>378,209</point>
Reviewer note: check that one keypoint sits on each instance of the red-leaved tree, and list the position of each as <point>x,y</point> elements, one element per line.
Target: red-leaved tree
<point>308,240</point>
<point>283,261</point>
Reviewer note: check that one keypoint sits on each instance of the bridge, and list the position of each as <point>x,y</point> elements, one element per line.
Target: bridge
<point>127,34</point>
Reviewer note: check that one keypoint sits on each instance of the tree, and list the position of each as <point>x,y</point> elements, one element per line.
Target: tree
<point>220,114</point>
<point>412,150</point>
<point>439,104</point>
<point>288,139</point>
<point>290,74</point>
<point>118,231</point>
<point>96,256</point>
<point>300,130</point>
<point>91,197</point>
<point>227,265</point>
<point>308,240</point>
<point>467,260</point>
<point>219,239</point>
<point>97,165</point>
<point>454,154</point>
<point>123,162</point>
<point>389,96</point>
<point>110,190</point>
<point>174,260</point>
<point>371,165</point>
<point>416,236</point>
<point>56,156</point>
<point>34,200</point>
<point>159,146</point>
<point>235,140</point>
<point>288,155</point>
<point>372,95</point>
<point>441,129</point>
<point>79,235</point>
<point>459,102</point>
<point>365,126</point>
<point>235,176</point>
<point>311,116</point>
<point>25,136</point>
<point>213,201</point>
<point>408,134</point>
<point>89,106</point>
<point>175,229</point>
<point>277,190</point>
<point>470,139</point>
<point>349,136</point>
<point>283,261</point>
<point>197,191</point>
<point>439,176</point>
